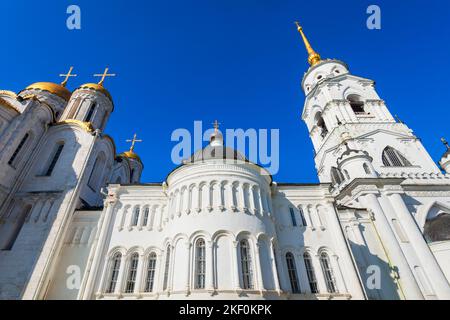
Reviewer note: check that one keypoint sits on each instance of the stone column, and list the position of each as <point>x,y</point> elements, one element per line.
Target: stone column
<point>97,254</point>
<point>235,258</point>
<point>284,277</point>
<point>429,263</point>
<point>337,271</point>
<point>258,270</point>
<point>301,273</point>
<point>274,267</point>
<point>320,278</point>
<point>159,273</point>
<point>241,190</point>
<point>307,216</point>
<point>121,276</point>
<point>209,266</point>
<point>409,285</point>
<point>171,269</point>
<point>139,275</point>
<point>189,263</point>
<point>344,252</point>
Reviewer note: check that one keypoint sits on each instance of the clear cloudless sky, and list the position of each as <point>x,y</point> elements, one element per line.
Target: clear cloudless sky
<point>238,61</point>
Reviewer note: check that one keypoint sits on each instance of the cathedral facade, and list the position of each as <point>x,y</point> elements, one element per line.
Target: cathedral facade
<point>77,223</point>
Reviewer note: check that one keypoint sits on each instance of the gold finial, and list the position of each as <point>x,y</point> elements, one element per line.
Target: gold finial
<point>216,125</point>
<point>104,75</point>
<point>445,143</point>
<point>313,57</point>
<point>133,141</point>
<point>67,76</point>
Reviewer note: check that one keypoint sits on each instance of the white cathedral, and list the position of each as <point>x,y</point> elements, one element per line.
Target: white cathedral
<point>377,226</point>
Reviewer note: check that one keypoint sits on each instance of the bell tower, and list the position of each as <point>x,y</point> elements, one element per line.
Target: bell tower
<point>344,112</point>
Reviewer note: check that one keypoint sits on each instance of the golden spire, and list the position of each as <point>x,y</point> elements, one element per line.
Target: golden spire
<point>313,57</point>
<point>104,75</point>
<point>67,76</point>
<point>133,141</point>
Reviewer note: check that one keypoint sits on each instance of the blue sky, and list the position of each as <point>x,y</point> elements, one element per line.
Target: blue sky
<point>240,62</point>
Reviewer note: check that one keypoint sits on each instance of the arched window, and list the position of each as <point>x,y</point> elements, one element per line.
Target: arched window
<point>97,172</point>
<point>146,213</point>
<point>293,220</point>
<point>328,272</point>
<point>437,228</point>
<point>114,274</point>
<point>336,176</point>
<point>292,271</point>
<point>12,161</point>
<point>321,124</point>
<point>90,112</point>
<point>132,271</point>
<point>356,104</point>
<point>302,216</point>
<point>246,265</point>
<point>151,267</point>
<point>366,168</point>
<point>310,273</point>
<point>200,264</point>
<point>392,158</point>
<point>135,220</point>
<point>54,159</point>
<point>166,268</point>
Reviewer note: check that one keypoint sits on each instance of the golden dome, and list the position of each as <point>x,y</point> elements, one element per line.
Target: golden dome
<point>51,87</point>
<point>130,154</point>
<point>96,87</point>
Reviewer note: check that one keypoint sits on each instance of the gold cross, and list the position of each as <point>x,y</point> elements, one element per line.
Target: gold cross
<point>216,125</point>
<point>67,76</point>
<point>104,75</point>
<point>133,141</point>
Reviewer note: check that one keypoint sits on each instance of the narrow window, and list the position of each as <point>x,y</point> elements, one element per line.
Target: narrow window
<point>392,158</point>
<point>55,158</point>
<point>11,161</point>
<point>328,272</point>
<point>200,264</point>
<point>166,270</point>
<point>132,271</point>
<point>292,271</point>
<point>135,217</point>
<point>151,267</point>
<point>293,220</point>
<point>115,267</point>
<point>302,216</point>
<point>246,265</point>
<point>347,176</point>
<point>18,222</point>
<point>97,172</point>
<point>146,213</point>
<point>366,168</point>
<point>321,124</point>
<point>90,112</point>
<point>336,176</point>
<point>356,104</point>
<point>310,273</point>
